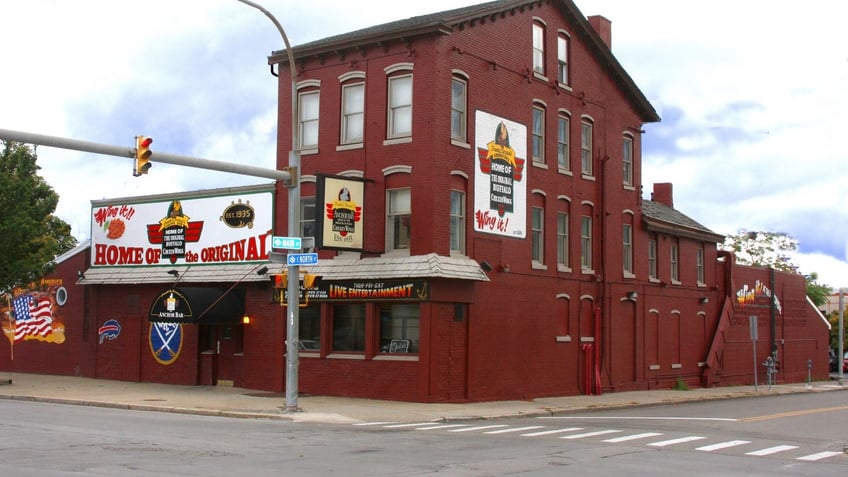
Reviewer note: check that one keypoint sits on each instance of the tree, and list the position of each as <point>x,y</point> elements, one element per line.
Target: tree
<point>30,235</point>
<point>773,250</point>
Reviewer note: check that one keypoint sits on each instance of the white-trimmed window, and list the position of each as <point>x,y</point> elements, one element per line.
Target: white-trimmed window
<point>398,215</point>
<point>586,148</point>
<point>537,233</point>
<point>563,157</point>
<point>674,256</point>
<point>307,216</point>
<point>459,109</point>
<point>400,106</point>
<point>699,265</point>
<point>353,113</point>
<point>538,47</point>
<point>627,249</point>
<point>562,239</point>
<point>562,58</point>
<point>457,221</point>
<point>586,242</point>
<point>308,119</point>
<point>627,160</point>
<point>538,133</point>
<point>652,258</point>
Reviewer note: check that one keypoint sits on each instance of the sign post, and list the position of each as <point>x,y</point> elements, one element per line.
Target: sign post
<point>752,324</point>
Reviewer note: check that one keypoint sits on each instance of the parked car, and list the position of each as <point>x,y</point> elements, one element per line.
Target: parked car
<point>833,360</point>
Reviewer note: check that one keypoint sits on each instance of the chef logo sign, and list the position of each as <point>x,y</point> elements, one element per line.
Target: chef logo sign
<point>339,217</point>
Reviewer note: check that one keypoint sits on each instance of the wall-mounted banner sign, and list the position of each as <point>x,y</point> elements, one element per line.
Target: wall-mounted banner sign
<point>500,176</point>
<point>366,290</point>
<point>339,207</point>
<point>189,230</point>
<point>200,305</point>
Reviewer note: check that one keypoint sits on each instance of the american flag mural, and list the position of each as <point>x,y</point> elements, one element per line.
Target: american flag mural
<point>32,317</point>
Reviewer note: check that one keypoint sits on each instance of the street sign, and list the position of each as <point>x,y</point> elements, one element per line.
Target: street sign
<point>302,258</point>
<point>291,243</point>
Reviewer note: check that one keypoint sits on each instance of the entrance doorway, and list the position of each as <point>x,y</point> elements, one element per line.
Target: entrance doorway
<point>221,348</point>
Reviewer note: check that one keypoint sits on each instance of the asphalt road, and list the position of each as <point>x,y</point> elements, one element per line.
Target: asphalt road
<point>799,434</point>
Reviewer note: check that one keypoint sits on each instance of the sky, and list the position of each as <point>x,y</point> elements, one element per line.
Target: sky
<point>753,97</point>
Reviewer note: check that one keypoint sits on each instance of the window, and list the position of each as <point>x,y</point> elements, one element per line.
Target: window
<point>538,134</point>
<point>353,113</point>
<point>627,248</point>
<point>538,48</point>
<point>399,210</point>
<point>675,265</point>
<point>349,328</point>
<point>563,159</point>
<point>457,221</point>
<point>399,328</point>
<point>458,109</point>
<point>586,148</point>
<point>562,239</point>
<point>307,216</point>
<point>537,229</point>
<point>627,160</point>
<point>699,264</point>
<point>308,120</point>
<point>562,59</point>
<point>586,242</point>
<point>309,328</point>
<point>400,106</point>
<point>652,259</point>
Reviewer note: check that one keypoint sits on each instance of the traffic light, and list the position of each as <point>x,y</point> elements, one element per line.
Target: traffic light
<point>142,155</point>
<point>309,280</point>
<point>280,280</point>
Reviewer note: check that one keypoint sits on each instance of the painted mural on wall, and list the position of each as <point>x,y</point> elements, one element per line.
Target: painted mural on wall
<point>197,230</point>
<point>759,294</point>
<point>108,331</point>
<point>166,341</point>
<point>34,313</point>
<point>500,185</point>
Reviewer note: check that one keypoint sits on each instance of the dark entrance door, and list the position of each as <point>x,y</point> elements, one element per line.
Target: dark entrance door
<point>222,347</point>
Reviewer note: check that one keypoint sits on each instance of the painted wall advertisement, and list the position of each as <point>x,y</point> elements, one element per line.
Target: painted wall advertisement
<point>339,219</point>
<point>500,182</point>
<point>199,230</point>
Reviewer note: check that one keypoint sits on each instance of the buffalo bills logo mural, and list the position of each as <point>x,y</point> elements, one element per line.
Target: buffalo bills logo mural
<point>109,330</point>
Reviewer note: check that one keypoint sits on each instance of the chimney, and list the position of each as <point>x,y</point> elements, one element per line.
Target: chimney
<point>603,28</point>
<point>663,194</point>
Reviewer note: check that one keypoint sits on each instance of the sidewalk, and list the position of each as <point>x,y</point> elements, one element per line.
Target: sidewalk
<point>237,402</point>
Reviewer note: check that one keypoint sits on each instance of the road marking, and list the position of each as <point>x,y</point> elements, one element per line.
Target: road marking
<point>439,426</point>
<point>645,418</point>
<point>381,423</point>
<point>633,437</point>
<point>516,429</point>
<point>771,450</point>
<point>722,445</point>
<point>414,424</point>
<point>802,412</point>
<point>818,456</point>
<point>590,434</point>
<point>672,442</point>
<point>553,431</point>
<point>478,428</point>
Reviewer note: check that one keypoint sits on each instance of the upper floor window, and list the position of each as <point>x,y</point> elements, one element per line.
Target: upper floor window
<point>562,239</point>
<point>538,47</point>
<point>400,106</point>
<point>652,258</point>
<point>538,134</point>
<point>586,148</point>
<point>627,249</point>
<point>307,216</point>
<point>627,160</point>
<point>308,119</point>
<point>537,231</point>
<point>459,109</point>
<point>562,58</point>
<point>674,257</point>
<point>586,243</point>
<point>563,157</point>
<point>457,221</point>
<point>353,113</point>
<point>398,215</point>
<point>699,265</point>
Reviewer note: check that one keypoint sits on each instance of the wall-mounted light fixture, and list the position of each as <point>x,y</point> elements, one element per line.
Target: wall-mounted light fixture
<point>632,295</point>
<point>262,271</point>
<point>504,268</point>
<point>704,300</point>
<point>80,274</point>
<point>485,266</point>
<point>174,273</point>
<point>245,320</point>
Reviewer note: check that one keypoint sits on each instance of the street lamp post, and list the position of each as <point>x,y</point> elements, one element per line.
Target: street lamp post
<point>292,310</point>
<point>840,359</point>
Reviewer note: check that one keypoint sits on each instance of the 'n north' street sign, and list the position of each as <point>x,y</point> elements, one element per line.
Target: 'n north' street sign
<point>291,243</point>
<point>302,258</point>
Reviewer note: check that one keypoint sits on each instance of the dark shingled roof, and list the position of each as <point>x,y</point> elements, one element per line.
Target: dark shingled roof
<point>659,217</point>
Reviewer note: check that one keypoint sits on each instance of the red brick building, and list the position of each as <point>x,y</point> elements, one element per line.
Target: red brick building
<point>473,181</point>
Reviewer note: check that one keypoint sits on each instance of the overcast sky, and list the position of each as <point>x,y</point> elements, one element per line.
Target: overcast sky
<point>752,96</point>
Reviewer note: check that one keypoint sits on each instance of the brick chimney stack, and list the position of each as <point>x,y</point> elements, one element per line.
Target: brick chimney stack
<point>603,28</point>
<point>663,194</point>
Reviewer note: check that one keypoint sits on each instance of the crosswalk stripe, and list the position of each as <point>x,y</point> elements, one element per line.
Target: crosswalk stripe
<point>413,424</point>
<point>552,431</point>
<point>722,445</point>
<point>379,423</point>
<point>771,450</point>
<point>633,437</point>
<point>517,429</point>
<point>818,456</point>
<point>679,440</point>
<point>590,434</point>
<point>438,426</point>
<point>478,428</point>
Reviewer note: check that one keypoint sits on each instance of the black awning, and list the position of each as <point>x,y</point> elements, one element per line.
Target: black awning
<point>198,305</point>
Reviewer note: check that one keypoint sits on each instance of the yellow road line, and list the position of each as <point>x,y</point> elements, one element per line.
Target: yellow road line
<point>793,414</point>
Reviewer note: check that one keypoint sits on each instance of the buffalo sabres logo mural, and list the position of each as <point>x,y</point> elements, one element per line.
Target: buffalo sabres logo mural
<point>166,341</point>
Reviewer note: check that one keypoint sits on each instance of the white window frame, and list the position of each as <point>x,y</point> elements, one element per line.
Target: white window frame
<point>308,115</point>
<point>652,259</point>
<point>586,243</point>
<point>353,113</point>
<point>627,160</point>
<point>563,140</point>
<point>538,47</point>
<point>699,266</point>
<point>562,240</point>
<point>627,249</point>
<point>674,256</point>
<point>537,232</point>
<point>459,110</point>
<point>538,134</point>
<point>398,210</point>
<point>562,58</point>
<point>586,133</point>
<point>457,221</point>
<point>398,106</point>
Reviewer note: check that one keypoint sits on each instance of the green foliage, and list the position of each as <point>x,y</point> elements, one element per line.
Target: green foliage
<point>817,292</point>
<point>680,385</point>
<point>30,235</point>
